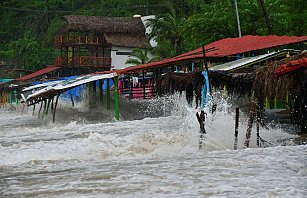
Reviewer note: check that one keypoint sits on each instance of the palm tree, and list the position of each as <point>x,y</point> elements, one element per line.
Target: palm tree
<point>139,57</point>
<point>266,16</point>
<point>168,27</point>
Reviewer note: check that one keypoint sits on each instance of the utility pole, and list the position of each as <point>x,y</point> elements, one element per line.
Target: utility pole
<point>238,19</point>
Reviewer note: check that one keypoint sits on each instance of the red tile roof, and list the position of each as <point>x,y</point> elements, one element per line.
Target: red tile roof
<point>233,46</point>
<point>224,47</point>
<point>38,73</point>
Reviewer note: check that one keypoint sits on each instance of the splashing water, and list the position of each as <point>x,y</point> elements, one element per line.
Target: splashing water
<point>157,155</point>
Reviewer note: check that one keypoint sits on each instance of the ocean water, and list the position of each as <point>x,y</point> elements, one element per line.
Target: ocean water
<point>153,156</point>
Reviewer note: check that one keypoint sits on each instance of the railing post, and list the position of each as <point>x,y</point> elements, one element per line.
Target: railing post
<point>116,98</point>
<point>144,89</point>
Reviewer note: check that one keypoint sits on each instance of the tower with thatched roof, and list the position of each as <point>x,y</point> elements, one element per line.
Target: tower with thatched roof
<point>99,43</point>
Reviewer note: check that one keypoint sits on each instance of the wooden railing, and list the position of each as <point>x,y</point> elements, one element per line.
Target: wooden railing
<point>60,40</point>
<point>87,61</point>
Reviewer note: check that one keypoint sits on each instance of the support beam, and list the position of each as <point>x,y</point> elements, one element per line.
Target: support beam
<point>116,98</point>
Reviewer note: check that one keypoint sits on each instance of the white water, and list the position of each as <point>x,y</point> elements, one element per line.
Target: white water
<point>156,157</point>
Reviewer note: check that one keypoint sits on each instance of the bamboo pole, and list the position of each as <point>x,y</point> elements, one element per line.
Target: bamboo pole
<point>116,98</point>
<point>236,128</point>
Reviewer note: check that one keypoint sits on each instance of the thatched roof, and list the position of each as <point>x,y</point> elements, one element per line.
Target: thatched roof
<point>99,24</point>
<point>267,84</point>
<point>118,31</point>
<point>127,40</point>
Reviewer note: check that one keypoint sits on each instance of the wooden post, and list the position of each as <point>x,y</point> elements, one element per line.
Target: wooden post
<point>48,104</point>
<point>33,110</point>
<point>10,97</point>
<point>101,91</point>
<point>94,93</point>
<point>72,100</point>
<point>236,128</point>
<point>116,98</point>
<point>108,94</point>
<point>40,108</point>
<point>54,110</point>
<point>201,119</point>
<point>257,125</point>
<point>144,89</point>
<point>250,125</point>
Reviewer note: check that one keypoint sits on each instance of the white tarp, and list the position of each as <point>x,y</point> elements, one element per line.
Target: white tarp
<point>66,84</point>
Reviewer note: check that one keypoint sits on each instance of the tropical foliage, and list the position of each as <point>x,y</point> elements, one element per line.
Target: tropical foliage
<point>28,27</point>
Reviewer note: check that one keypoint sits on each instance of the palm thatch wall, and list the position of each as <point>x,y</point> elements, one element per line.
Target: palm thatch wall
<point>267,84</point>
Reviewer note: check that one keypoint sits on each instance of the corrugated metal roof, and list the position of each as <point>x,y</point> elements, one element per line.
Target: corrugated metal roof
<point>38,73</point>
<point>233,65</point>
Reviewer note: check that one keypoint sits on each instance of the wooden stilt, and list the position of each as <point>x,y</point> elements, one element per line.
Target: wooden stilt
<point>258,125</point>
<point>72,100</point>
<point>101,91</point>
<point>40,108</point>
<point>94,93</point>
<point>116,98</point>
<point>45,106</point>
<point>48,104</point>
<point>201,119</point>
<point>250,124</point>
<point>33,109</point>
<point>236,128</point>
<point>54,110</point>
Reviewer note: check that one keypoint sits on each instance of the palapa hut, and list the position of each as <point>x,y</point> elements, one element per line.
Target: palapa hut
<point>109,40</point>
<point>285,80</point>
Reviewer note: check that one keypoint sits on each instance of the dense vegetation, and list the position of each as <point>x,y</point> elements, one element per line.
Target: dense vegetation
<point>27,27</point>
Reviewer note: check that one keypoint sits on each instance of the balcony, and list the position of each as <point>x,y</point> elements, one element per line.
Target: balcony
<point>86,61</point>
<point>77,40</point>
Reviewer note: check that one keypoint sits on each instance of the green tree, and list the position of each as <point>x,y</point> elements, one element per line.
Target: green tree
<point>139,56</point>
<point>167,27</point>
<point>26,54</point>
